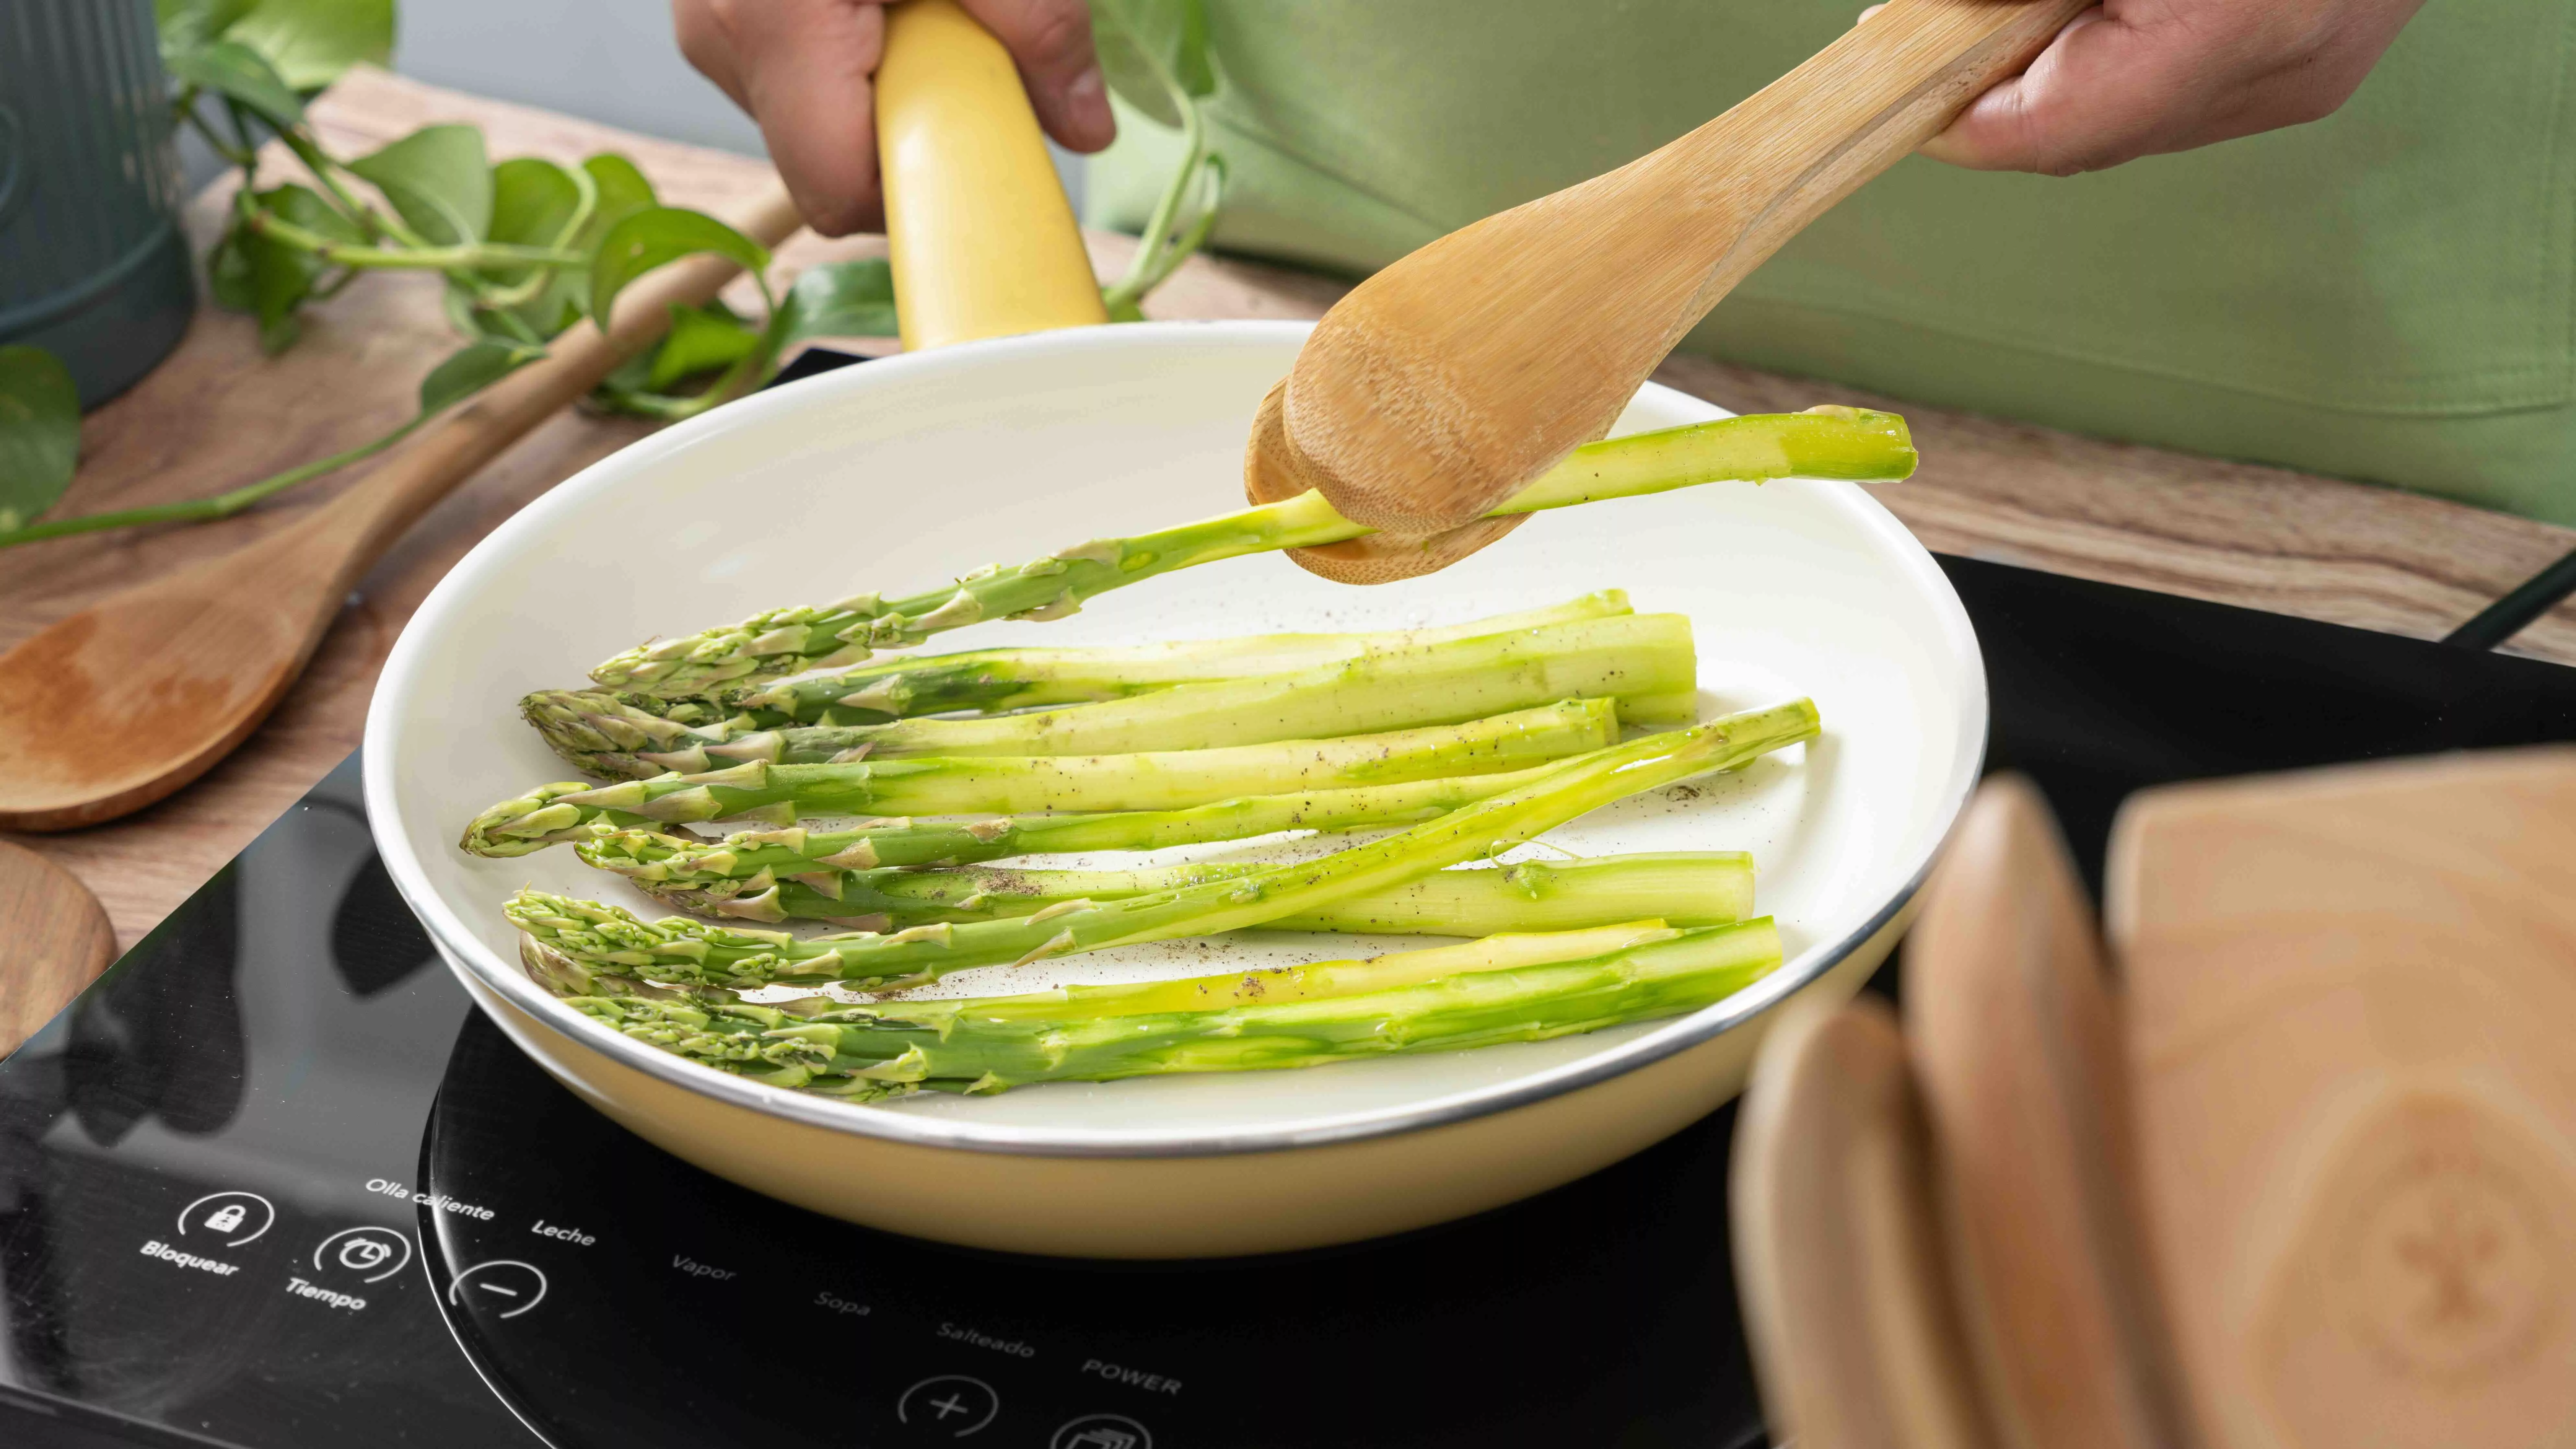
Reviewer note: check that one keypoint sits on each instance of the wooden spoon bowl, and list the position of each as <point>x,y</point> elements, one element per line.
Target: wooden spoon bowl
<point>135,696</point>
<point>1273,474</point>
<point>56,942</point>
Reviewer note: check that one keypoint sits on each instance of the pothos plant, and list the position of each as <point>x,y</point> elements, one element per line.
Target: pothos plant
<point>527,248</point>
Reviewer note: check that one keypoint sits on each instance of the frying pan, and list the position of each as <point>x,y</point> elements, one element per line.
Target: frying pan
<point>919,467</point>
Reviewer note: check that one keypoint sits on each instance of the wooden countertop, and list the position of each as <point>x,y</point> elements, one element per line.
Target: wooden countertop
<point>218,414</point>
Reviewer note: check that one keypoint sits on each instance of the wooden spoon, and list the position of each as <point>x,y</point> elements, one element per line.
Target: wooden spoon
<point>2017,1049</point>
<point>135,696</point>
<point>2351,995</point>
<point>1855,1336</point>
<point>1443,383</point>
<point>56,940</point>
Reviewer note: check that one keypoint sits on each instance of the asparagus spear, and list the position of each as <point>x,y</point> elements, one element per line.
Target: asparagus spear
<point>1823,443</point>
<point>679,949</point>
<point>997,681</point>
<point>970,1045</point>
<point>1692,888</point>
<point>653,858</point>
<point>565,976</point>
<point>779,794</point>
<point>1644,661</point>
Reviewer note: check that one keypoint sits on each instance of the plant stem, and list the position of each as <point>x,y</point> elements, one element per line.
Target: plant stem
<point>1145,269</point>
<point>324,170</point>
<point>201,510</point>
<point>435,259</point>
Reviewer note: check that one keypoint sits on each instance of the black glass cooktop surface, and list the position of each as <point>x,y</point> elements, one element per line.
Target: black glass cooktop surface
<point>272,1183</point>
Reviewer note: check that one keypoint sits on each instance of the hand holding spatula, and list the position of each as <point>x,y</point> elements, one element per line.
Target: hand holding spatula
<point>1448,381</point>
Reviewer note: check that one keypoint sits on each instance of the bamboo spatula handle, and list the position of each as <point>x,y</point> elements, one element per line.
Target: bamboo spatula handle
<point>1855,108</point>
<point>1445,382</point>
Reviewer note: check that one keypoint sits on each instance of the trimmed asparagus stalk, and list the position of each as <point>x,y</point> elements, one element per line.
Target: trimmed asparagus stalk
<point>1692,888</point>
<point>1155,780</point>
<point>652,858</point>
<point>1823,443</point>
<point>998,681</point>
<point>679,949</point>
<point>1253,986</point>
<point>878,1051</point>
<point>1644,661</point>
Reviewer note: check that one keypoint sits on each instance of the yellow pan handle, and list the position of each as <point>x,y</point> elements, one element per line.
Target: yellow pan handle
<point>984,242</point>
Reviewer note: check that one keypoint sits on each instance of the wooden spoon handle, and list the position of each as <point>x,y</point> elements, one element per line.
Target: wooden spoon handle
<point>1442,384</point>
<point>1852,110</point>
<point>365,520</point>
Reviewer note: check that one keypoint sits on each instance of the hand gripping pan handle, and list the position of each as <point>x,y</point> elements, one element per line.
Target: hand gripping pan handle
<point>983,240</point>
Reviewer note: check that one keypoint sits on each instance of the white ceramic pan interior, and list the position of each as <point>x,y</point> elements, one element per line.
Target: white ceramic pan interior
<point>903,472</point>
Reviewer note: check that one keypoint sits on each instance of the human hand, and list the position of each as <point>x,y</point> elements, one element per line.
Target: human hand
<point>803,69</point>
<point>2132,78</point>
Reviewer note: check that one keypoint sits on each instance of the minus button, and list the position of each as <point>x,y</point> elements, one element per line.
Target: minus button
<point>502,1278</point>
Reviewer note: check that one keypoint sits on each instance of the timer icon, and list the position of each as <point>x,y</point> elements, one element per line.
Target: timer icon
<point>374,1254</point>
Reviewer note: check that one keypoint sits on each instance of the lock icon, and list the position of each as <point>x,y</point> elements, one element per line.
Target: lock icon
<point>226,1218</point>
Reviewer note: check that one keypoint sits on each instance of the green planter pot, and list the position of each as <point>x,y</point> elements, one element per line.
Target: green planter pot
<point>93,266</point>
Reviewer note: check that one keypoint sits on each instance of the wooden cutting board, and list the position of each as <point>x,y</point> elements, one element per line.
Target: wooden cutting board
<point>2350,1000</point>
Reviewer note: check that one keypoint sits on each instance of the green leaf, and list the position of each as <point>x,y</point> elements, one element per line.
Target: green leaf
<point>437,180</point>
<point>186,24</point>
<point>229,68</point>
<point>533,202</point>
<point>311,42</point>
<point>623,191</point>
<point>661,235</point>
<point>39,433</point>
<point>259,274</point>
<point>1149,46</point>
<point>840,299</point>
<point>228,271</point>
<point>471,369</point>
<point>701,339</point>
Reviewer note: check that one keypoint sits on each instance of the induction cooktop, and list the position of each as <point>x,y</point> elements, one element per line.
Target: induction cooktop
<point>271,1183</point>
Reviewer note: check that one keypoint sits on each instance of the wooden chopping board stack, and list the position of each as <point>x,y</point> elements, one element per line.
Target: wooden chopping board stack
<point>2305,1177</point>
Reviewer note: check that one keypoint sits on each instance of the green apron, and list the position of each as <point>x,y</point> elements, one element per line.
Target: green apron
<point>2384,295</point>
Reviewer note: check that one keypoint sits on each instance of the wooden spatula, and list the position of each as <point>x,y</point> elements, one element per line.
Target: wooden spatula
<point>2010,1020</point>
<point>1838,1254</point>
<point>54,940</point>
<point>1448,380</point>
<point>2352,1028</point>
<point>135,696</point>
